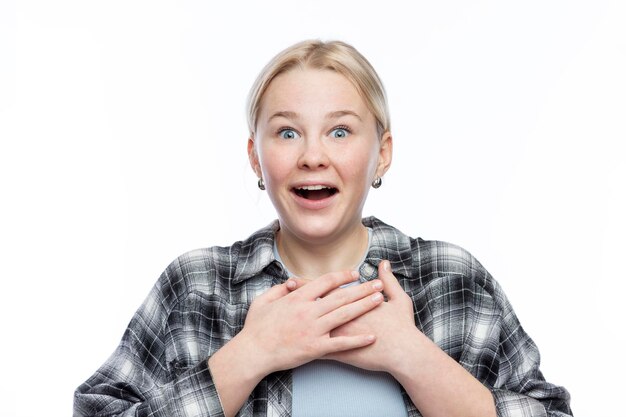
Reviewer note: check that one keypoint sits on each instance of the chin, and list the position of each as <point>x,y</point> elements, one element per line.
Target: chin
<point>314,228</point>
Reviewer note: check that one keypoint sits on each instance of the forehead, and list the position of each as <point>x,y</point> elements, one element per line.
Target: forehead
<point>311,89</point>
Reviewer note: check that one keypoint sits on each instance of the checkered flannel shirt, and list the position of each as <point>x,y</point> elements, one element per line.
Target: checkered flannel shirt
<point>200,302</point>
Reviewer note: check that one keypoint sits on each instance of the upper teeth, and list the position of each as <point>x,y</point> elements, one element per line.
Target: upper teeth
<point>313,187</point>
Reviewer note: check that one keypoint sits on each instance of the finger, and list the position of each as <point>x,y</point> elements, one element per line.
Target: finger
<point>349,312</point>
<point>341,287</point>
<point>324,284</point>
<point>343,343</point>
<point>294,283</point>
<point>392,287</point>
<point>337,356</point>
<point>273,294</point>
<point>333,291</point>
<point>344,296</point>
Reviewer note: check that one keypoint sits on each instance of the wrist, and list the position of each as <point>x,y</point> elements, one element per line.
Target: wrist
<point>431,378</point>
<point>235,374</point>
<point>412,356</point>
<point>241,361</point>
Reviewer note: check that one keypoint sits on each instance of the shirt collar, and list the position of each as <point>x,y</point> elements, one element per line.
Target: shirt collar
<point>388,243</point>
<point>256,252</point>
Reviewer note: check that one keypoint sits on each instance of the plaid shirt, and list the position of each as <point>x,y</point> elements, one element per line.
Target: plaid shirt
<point>200,302</point>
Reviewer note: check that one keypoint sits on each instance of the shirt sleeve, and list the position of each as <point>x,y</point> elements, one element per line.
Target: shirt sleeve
<point>520,389</point>
<point>137,380</point>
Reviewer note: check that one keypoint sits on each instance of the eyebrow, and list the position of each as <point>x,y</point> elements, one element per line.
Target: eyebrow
<point>340,113</point>
<point>285,114</point>
<point>332,115</point>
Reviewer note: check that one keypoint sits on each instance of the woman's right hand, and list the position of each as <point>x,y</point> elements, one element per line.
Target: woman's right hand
<point>285,329</point>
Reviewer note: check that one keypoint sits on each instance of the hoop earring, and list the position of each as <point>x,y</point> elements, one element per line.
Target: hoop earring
<point>377,182</point>
<point>261,184</point>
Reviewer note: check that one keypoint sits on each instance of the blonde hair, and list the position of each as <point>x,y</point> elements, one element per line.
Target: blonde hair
<point>335,56</point>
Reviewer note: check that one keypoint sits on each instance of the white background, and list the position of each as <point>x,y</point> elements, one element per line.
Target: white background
<point>123,142</point>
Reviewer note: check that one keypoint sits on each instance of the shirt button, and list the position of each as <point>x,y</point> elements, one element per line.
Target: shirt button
<point>368,271</point>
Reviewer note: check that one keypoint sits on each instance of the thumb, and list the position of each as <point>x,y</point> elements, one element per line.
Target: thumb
<point>393,290</point>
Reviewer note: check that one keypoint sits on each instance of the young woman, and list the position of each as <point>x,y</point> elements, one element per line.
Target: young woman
<point>323,313</point>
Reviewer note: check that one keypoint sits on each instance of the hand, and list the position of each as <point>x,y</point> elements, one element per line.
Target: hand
<point>286,328</point>
<point>392,323</point>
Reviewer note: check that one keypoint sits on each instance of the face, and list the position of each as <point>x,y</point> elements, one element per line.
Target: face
<point>317,149</point>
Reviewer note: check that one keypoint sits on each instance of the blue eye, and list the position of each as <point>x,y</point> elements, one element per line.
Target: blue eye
<point>288,134</point>
<point>340,133</point>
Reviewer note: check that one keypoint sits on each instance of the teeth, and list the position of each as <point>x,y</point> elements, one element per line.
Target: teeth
<point>313,187</point>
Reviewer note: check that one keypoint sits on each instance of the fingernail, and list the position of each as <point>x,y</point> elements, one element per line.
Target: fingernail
<point>370,337</point>
<point>355,274</point>
<point>386,265</point>
<point>377,297</point>
<point>291,284</point>
<point>377,285</point>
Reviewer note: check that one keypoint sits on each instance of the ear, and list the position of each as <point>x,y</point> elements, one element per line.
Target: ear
<point>253,157</point>
<point>385,154</point>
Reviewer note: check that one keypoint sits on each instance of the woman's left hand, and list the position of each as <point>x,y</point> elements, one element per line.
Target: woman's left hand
<point>436,383</point>
<point>393,324</point>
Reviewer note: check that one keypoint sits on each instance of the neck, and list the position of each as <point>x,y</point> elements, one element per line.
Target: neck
<point>311,260</point>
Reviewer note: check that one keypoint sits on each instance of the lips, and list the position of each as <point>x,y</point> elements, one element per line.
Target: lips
<point>315,192</point>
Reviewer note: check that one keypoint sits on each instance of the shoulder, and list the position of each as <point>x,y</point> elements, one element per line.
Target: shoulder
<point>435,258</point>
<point>432,263</point>
<point>450,287</point>
<point>424,257</point>
<point>451,278</point>
<point>216,270</point>
<point>198,270</point>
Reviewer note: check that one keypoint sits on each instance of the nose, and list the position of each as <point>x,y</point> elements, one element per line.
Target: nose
<point>314,154</point>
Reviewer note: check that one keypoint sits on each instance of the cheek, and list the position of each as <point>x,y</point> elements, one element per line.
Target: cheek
<point>361,164</point>
<point>274,165</point>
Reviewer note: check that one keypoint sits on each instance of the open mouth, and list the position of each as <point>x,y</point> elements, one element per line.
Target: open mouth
<point>315,192</point>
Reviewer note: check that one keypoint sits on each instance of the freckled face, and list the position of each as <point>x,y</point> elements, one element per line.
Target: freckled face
<point>317,150</point>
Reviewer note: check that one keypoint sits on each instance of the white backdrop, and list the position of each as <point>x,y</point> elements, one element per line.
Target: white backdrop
<point>123,145</point>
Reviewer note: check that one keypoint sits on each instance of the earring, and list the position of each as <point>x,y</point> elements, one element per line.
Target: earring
<point>377,182</point>
<point>261,184</point>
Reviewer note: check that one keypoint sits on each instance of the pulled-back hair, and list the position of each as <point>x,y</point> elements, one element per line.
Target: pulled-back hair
<point>335,56</point>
